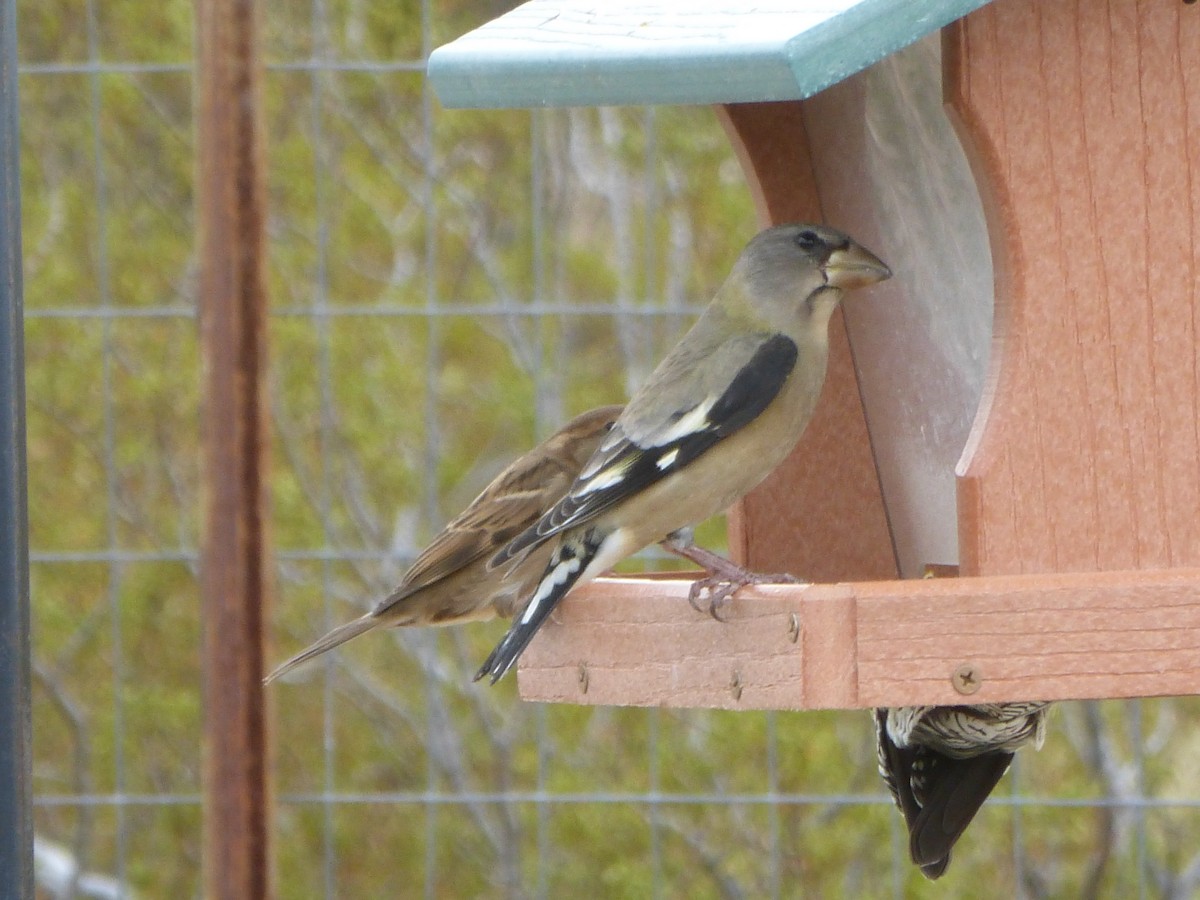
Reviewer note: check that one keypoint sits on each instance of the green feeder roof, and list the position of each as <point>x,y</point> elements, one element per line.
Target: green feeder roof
<point>626,53</point>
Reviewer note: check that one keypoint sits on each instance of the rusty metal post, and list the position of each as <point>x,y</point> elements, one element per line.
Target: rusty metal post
<point>231,216</point>
<point>16,801</point>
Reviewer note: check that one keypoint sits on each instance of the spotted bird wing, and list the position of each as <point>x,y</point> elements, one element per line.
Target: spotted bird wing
<point>507,506</point>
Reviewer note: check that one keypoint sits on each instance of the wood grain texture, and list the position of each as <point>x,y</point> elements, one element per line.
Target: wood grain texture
<point>1082,121</point>
<point>637,642</point>
<point>820,515</point>
<point>235,579</point>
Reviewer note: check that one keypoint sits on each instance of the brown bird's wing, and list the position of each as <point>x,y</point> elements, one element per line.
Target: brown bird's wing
<point>448,582</point>
<point>508,506</point>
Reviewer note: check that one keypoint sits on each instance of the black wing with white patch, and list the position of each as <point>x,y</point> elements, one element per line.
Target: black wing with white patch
<point>566,565</point>
<point>628,467</point>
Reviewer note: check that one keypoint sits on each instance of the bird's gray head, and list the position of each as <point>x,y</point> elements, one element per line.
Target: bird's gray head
<point>812,264</point>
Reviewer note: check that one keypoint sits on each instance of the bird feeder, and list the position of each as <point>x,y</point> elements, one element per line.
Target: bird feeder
<point>1018,409</point>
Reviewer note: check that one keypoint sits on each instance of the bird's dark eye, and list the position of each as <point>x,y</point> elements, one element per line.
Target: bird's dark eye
<point>808,240</point>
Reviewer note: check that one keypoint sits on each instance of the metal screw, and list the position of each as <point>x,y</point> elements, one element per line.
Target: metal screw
<point>967,678</point>
<point>735,685</point>
<point>794,627</point>
<point>583,678</point>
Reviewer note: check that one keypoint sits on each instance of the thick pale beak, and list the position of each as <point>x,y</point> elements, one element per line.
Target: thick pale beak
<point>854,267</point>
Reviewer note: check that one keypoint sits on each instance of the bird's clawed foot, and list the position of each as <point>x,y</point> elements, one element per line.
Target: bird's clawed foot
<point>724,578</point>
<point>710,593</point>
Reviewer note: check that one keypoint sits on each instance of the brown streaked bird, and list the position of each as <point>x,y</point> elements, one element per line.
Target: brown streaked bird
<point>942,762</point>
<point>722,410</point>
<point>450,581</point>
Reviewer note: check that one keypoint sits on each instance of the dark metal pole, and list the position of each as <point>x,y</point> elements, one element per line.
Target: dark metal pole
<point>236,570</point>
<point>16,726</point>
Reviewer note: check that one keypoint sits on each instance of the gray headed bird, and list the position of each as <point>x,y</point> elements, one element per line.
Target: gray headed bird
<point>942,762</point>
<point>450,581</point>
<point>722,410</point>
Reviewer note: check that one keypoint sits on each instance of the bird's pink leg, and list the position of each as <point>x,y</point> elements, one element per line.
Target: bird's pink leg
<point>724,577</point>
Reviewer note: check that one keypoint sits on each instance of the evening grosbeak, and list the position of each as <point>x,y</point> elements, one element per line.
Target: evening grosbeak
<point>941,762</point>
<point>450,581</point>
<point>722,410</point>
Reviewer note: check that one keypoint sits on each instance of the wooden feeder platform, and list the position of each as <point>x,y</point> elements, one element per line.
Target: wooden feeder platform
<point>938,642</point>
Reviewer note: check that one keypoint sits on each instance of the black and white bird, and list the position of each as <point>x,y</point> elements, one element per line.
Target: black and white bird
<point>942,762</point>
<point>722,410</point>
<point>450,581</point>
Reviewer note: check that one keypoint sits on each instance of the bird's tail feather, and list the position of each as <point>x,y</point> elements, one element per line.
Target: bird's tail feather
<point>335,638</point>
<point>568,562</point>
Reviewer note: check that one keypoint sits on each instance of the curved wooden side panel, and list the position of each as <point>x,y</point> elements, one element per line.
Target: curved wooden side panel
<point>820,515</point>
<point>1082,122</point>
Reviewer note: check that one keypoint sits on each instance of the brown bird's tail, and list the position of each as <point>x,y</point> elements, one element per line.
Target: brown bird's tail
<point>335,638</point>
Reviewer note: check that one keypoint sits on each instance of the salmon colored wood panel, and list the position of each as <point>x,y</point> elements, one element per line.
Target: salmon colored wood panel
<point>820,515</point>
<point>630,642</point>
<point>1082,122</point>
